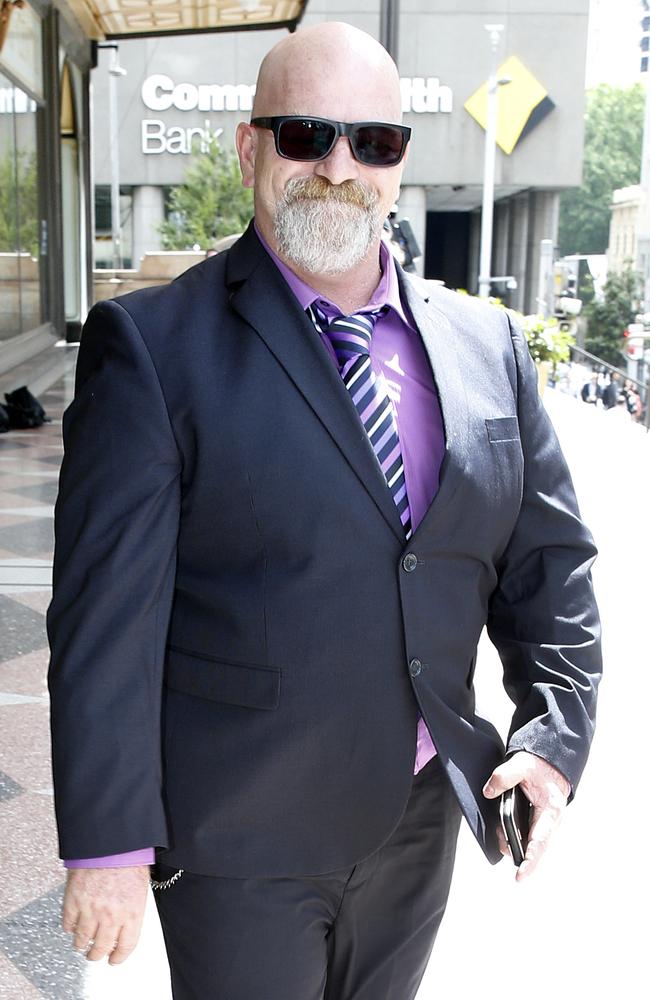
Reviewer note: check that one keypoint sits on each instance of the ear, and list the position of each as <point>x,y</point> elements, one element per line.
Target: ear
<point>246,142</point>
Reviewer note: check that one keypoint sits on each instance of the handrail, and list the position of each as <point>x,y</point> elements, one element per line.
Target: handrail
<point>608,366</point>
<point>643,386</point>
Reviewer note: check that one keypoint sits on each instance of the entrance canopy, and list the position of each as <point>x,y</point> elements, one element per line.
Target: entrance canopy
<point>143,18</point>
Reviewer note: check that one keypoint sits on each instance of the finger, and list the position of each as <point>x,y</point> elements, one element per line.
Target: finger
<point>84,933</point>
<point>104,942</point>
<point>544,823</point>
<point>506,776</point>
<point>69,916</point>
<point>125,945</point>
<point>534,851</point>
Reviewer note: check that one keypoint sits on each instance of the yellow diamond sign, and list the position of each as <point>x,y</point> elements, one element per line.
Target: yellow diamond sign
<point>522,104</point>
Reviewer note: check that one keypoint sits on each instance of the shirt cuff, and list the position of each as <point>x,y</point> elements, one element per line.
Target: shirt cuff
<point>146,856</point>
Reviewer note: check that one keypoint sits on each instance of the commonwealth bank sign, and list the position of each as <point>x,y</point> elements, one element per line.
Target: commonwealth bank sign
<point>160,93</point>
<point>522,104</point>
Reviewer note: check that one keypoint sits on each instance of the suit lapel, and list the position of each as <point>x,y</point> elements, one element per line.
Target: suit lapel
<point>443,349</point>
<point>261,296</point>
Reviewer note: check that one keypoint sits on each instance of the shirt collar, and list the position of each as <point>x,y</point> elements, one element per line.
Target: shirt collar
<point>385,294</point>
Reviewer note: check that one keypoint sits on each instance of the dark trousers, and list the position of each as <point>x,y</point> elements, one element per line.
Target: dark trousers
<point>361,933</point>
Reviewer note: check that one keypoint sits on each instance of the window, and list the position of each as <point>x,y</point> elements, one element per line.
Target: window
<point>103,226</point>
<point>19,216</point>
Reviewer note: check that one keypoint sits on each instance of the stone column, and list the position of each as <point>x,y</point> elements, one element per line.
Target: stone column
<point>148,213</point>
<point>543,225</point>
<point>474,251</point>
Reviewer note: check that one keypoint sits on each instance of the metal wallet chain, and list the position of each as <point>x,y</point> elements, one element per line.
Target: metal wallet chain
<point>167,883</point>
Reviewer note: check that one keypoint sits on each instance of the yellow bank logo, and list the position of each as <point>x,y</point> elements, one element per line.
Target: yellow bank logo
<point>522,104</point>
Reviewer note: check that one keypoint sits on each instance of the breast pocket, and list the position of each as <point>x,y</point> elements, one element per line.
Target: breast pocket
<point>248,685</point>
<point>503,472</point>
<point>502,429</point>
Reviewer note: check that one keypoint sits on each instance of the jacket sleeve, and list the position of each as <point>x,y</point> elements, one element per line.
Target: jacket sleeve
<point>543,617</point>
<point>116,528</point>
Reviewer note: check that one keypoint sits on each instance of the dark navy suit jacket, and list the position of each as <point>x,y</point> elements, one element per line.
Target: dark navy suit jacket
<point>239,648</point>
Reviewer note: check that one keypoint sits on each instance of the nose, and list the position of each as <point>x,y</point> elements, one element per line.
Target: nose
<point>339,165</point>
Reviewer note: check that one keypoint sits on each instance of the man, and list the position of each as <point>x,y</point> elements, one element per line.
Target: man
<point>611,392</point>
<point>297,485</point>
<point>589,392</point>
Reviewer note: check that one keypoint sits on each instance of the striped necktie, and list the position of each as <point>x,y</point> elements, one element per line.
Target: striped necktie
<point>350,337</point>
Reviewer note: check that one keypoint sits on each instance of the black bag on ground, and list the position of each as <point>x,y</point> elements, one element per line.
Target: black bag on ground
<point>24,409</point>
<point>4,419</point>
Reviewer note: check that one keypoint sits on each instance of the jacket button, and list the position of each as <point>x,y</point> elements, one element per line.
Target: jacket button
<point>415,666</point>
<point>409,562</point>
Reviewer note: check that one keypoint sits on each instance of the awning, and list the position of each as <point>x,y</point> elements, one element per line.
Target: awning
<point>143,18</point>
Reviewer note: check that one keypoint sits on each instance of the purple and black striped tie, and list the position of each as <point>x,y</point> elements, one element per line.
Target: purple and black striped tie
<point>350,337</point>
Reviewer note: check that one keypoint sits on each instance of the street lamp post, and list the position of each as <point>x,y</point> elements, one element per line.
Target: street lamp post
<point>114,71</point>
<point>487,212</point>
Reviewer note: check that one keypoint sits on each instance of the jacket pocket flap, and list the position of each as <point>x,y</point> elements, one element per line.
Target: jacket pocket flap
<point>502,429</point>
<point>232,683</point>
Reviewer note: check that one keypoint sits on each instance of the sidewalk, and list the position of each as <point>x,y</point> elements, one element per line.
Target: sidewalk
<point>577,929</point>
<point>35,960</point>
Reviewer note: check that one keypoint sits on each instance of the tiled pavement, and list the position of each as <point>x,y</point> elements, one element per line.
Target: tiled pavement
<point>35,956</point>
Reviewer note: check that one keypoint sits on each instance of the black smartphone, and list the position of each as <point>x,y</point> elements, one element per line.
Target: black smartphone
<point>515,816</point>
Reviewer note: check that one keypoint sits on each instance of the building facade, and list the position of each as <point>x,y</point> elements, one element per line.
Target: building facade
<point>627,212</point>
<point>45,193</point>
<point>177,90</point>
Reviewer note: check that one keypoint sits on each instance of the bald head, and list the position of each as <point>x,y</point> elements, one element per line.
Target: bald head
<point>329,70</point>
<point>323,215</point>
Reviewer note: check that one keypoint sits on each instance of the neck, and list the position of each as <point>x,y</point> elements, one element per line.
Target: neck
<point>351,290</point>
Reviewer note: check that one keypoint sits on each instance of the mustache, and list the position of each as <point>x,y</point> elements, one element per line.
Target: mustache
<point>349,192</point>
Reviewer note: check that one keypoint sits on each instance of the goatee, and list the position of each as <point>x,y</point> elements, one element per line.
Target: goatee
<point>326,228</point>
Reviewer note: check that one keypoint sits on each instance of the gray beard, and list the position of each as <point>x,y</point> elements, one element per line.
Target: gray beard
<point>324,236</point>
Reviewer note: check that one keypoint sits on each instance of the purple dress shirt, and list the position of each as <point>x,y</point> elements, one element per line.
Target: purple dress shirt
<point>397,355</point>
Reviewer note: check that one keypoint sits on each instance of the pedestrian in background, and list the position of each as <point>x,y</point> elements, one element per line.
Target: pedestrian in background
<point>590,391</point>
<point>611,392</point>
<point>632,400</point>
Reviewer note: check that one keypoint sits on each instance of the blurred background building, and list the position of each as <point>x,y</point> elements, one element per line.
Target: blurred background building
<point>48,52</point>
<point>58,164</point>
<point>45,192</point>
<point>177,88</point>
<point>627,206</point>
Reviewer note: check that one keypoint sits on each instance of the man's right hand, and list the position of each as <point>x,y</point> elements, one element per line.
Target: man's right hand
<point>104,909</point>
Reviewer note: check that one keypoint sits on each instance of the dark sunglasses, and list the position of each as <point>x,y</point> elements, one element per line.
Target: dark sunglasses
<point>377,144</point>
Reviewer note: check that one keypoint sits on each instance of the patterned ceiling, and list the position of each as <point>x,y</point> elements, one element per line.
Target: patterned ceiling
<point>130,18</point>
